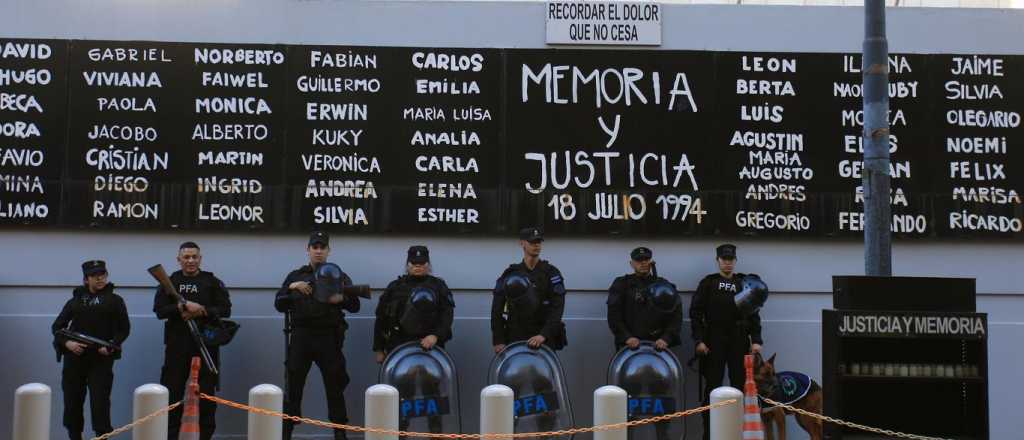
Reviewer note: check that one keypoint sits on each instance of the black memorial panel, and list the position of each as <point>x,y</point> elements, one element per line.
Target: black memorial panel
<point>338,137</point>
<point>33,94</point>
<point>235,97</point>
<point>125,135</point>
<point>776,165</point>
<point>840,99</point>
<point>446,140</point>
<point>611,141</point>
<point>469,140</point>
<point>976,137</point>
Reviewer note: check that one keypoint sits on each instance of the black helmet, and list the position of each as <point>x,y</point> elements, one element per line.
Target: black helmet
<point>662,295</point>
<point>423,299</point>
<point>752,296</point>
<point>516,285</point>
<point>219,332</point>
<point>328,281</point>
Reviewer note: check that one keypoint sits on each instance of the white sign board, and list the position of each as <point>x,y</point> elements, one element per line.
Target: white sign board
<point>612,22</point>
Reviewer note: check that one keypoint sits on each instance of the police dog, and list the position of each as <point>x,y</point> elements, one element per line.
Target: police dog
<point>769,385</point>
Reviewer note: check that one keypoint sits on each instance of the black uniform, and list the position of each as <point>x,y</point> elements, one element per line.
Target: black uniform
<point>393,309</point>
<point>717,323</point>
<point>317,335</point>
<point>507,326</point>
<point>179,348</point>
<point>629,316</point>
<point>101,315</point>
<point>387,329</point>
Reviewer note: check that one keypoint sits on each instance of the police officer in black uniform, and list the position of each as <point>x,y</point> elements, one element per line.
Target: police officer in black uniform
<point>407,313</point>
<point>723,335</point>
<point>415,307</point>
<point>537,325</point>
<point>207,300</point>
<point>317,335</point>
<point>645,307</point>
<point>94,310</point>
<point>637,313</point>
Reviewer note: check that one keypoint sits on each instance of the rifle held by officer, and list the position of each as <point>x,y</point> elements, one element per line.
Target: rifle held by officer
<point>83,338</point>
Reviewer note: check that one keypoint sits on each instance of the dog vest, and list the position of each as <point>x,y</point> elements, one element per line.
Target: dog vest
<point>792,386</point>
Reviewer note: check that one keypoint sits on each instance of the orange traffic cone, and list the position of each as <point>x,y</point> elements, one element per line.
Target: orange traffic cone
<point>190,413</point>
<point>753,429</point>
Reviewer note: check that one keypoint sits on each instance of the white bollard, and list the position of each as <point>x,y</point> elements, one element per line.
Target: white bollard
<point>150,398</point>
<point>496,411</point>
<point>381,411</point>
<point>610,407</point>
<point>32,412</point>
<point>727,421</point>
<point>264,427</point>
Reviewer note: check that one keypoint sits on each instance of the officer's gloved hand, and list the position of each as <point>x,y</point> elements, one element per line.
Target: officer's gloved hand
<point>75,347</point>
<point>633,343</point>
<point>660,344</point>
<point>536,341</point>
<point>702,349</point>
<point>428,342</point>
<point>302,287</point>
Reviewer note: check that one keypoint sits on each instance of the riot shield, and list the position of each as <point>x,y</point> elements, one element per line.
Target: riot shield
<point>428,388</point>
<point>536,377</point>
<point>653,381</point>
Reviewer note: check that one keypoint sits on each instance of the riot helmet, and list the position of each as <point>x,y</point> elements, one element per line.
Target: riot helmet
<point>423,299</point>
<point>420,313</point>
<point>752,296</point>
<point>328,282</point>
<point>516,285</point>
<point>662,296</point>
<point>521,293</point>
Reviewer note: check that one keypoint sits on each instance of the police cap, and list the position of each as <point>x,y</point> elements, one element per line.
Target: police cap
<point>319,237</point>
<point>641,254</point>
<point>418,255</point>
<point>532,234</point>
<point>94,267</point>
<point>726,251</point>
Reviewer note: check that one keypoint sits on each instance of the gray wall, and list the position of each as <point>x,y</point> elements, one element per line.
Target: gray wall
<point>39,267</point>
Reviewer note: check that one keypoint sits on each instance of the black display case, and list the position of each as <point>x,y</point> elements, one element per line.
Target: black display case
<point>905,354</point>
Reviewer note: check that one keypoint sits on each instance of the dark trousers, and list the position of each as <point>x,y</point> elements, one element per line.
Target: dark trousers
<point>323,347</point>
<point>177,367</point>
<point>92,372</point>
<point>724,352</point>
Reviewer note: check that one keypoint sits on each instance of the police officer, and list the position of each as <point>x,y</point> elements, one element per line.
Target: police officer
<point>637,312</point>
<point>723,335</point>
<point>207,300</point>
<point>534,312</point>
<point>645,307</point>
<point>317,335</point>
<point>415,307</point>
<point>94,310</point>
